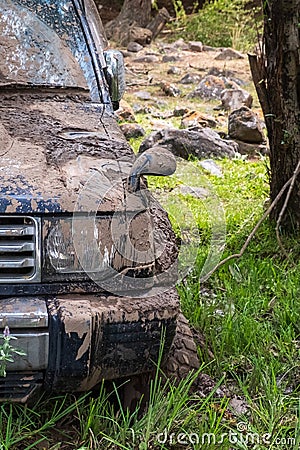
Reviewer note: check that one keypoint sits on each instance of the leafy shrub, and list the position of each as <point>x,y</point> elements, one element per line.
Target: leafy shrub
<point>7,351</point>
<point>223,23</point>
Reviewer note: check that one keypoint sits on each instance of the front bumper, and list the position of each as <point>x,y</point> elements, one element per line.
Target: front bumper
<point>75,341</point>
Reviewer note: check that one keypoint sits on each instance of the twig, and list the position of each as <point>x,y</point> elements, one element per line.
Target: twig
<point>201,69</point>
<point>172,31</point>
<point>253,232</point>
<point>143,83</point>
<point>293,180</point>
<point>8,150</point>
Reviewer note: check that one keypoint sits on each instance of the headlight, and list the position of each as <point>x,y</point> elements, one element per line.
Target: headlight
<point>60,255</point>
<point>59,248</point>
<point>78,247</point>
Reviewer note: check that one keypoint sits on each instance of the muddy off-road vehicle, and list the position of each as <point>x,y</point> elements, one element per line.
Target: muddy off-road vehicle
<point>87,256</point>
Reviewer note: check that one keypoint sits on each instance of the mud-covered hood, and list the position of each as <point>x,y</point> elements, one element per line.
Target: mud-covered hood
<point>51,148</point>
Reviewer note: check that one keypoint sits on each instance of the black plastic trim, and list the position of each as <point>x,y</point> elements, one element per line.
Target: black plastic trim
<point>65,371</point>
<point>49,288</point>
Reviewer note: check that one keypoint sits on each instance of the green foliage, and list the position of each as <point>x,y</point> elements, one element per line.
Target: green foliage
<point>25,428</point>
<point>179,10</point>
<point>7,351</point>
<point>223,23</point>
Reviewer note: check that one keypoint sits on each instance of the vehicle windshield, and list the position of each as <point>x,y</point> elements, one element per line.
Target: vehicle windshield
<point>42,43</point>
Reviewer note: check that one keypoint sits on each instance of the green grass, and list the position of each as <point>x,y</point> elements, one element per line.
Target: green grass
<point>249,310</point>
<point>251,317</point>
<point>249,313</point>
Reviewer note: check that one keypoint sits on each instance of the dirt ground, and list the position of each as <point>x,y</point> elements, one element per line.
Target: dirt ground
<point>151,77</point>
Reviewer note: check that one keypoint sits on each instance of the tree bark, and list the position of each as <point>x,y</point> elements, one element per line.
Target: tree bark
<point>159,21</point>
<point>277,78</point>
<point>135,23</point>
<point>136,12</point>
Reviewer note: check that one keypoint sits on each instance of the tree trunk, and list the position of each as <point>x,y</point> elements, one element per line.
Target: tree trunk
<point>137,12</point>
<point>277,78</point>
<point>134,23</point>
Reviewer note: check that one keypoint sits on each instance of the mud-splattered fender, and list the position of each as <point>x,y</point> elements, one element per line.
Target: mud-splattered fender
<point>106,337</point>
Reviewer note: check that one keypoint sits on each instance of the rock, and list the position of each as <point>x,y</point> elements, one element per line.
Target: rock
<point>236,98</point>
<point>180,43</point>
<point>143,95</point>
<point>127,54</point>
<point>134,47</point>
<point>228,54</point>
<point>158,125</point>
<point>239,407</point>
<point>125,112</point>
<point>190,79</point>
<point>146,59</point>
<point>208,48</point>
<point>195,46</point>
<point>141,109</point>
<point>170,89</point>
<point>195,118</point>
<point>125,31</point>
<point>244,125</point>
<point>161,103</point>
<point>142,36</point>
<point>180,111</point>
<point>174,71</point>
<point>170,58</point>
<point>162,115</point>
<point>201,143</point>
<point>171,46</point>
<point>245,148</point>
<point>132,130</point>
<point>197,192</point>
<point>211,167</point>
<point>212,87</point>
<point>228,74</point>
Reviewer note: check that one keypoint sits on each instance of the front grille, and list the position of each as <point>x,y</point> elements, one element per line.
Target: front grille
<point>19,249</point>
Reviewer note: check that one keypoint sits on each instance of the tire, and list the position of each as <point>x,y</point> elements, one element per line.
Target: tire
<point>180,360</point>
<point>183,356</point>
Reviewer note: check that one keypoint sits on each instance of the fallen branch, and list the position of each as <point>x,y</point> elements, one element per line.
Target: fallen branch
<point>172,31</point>
<point>201,69</point>
<point>290,183</point>
<point>159,21</point>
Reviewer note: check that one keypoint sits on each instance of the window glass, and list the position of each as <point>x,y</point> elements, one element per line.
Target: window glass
<point>42,44</point>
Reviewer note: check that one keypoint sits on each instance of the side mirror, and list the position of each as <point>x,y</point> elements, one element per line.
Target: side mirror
<point>115,76</point>
<point>154,161</point>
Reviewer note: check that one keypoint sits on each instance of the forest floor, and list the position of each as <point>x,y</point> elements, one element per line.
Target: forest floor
<point>153,75</point>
